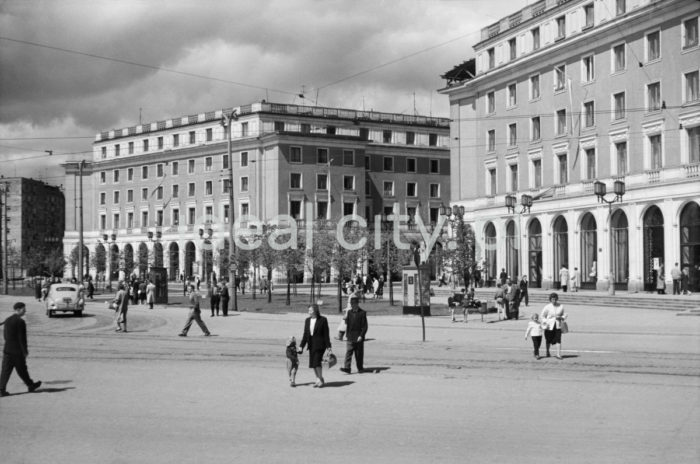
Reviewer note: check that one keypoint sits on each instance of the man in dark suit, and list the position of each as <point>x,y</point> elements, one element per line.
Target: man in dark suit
<point>512,300</point>
<point>356,321</point>
<point>15,352</point>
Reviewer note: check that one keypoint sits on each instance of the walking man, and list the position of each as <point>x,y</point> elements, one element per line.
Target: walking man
<point>15,352</point>
<point>195,313</point>
<point>355,332</point>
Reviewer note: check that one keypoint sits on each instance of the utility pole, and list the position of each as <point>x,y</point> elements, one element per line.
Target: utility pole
<point>226,121</point>
<point>4,237</point>
<point>80,224</point>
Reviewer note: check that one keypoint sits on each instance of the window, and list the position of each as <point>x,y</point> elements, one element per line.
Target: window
<point>535,124</point>
<point>224,161</point>
<point>434,215</point>
<point>144,218</point>
<point>656,153</point>
<point>190,166</point>
<point>131,148</point>
<point>432,140</point>
<point>176,140</point>
<point>321,209</point>
<point>321,181</point>
<point>244,129</point>
<point>160,143</point>
<point>690,32</point>
<point>295,209</point>
<point>410,138</point>
<point>279,126</point>
<point>590,164</point>
<point>322,155</point>
<point>364,133</point>
<point>694,144</point>
<point>388,163</point>
<point>410,165</point>
<point>619,105</point>
<point>210,135</point>
<point>491,102</point>
<point>620,7</point>
<point>145,145</point>
<point>692,86</point>
<point>244,159</point>
<point>192,137</point>
<point>619,59</point>
<point>537,173</point>
<point>244,184</point>
<point>561,122</point>
<point>144,172</point>
<point>534,87</point>
<point>295,154</point>
<point>512,134</point>
<point>159,218</point>
<point>561,28</point>
<point>492,182</point>
<point>653,46</point>
<point>587,69</point>
<point>115,176</point>
<point>115,221</point>
<point>492,57</point>
<point>103,198</point>
<point>175,168</point>
<point>144,194</point>
<point>130,220</point>
<point>305,128</point>
<point>159,170</point>
<point>191,190</point>
<point>176,216</point>
<point>589,13</point>
<point>513,178</point>
<point>104,152</point>
<point>348,157</point>
<point>176,191</point>
<point>208,188</point>
<point>411,189</point>
<point>103,177</point>
<point>654,96</point>
<point>368,186</point>
<point>621,157</point>
<point>227,214</point>
<point>295,180</point>
<point>191,215</point>
<point>513,52</point>
<point>386,136</point>
<point>116,150</point>
<point>434,190</point>
<point>348,182</point>
<point>563,169</point>
<point>434,166</point>
<point>560,77</point>
<point>130,174</point>
<point>159,192</point>
<point>388,188</point>
<point>208,213</point>
<point>492,140</point>
<point>589,112</point>
<point>512,95</point>
<point>535,33</point>
<point>368,162</point>
<point>226,186</point>
<point>130,196</point>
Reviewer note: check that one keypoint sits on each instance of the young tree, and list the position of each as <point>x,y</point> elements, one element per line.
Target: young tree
<point>319,253</point>
<point>458,253</point>
<point>346,261</point>
<point>290,260</point>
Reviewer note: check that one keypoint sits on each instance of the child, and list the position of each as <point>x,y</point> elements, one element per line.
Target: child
<point>292,361</point>
<point>534,330</point>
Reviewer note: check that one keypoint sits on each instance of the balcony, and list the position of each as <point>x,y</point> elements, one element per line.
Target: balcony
<point>692,170</point>
<point>653,176</point>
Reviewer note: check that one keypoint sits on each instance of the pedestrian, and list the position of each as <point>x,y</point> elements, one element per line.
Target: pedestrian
<point>500,298</point>
<point>594,272</point>
<point>150,294</point>
<point>660,280</point>
<point>317,337</point>
<point>195,300</point>
<point>37,289</point>
<point>142,292</point>
<point>184,287</point>
<point>534,330</point>
<point>523,290</point>
<point>90,289</point>
<point>685,281</point>
<point>45,289</point>
<point>215,299</point>
<point>224,297</point>
<point>15,351</point>
<point>355,334</point>
<point>443,280</point>
<point>553,317</point>
<point>512,293</point>
<point>457,301</point>
<point>380,287</point>
<point>121,302</point>
<point>563,278</point>
<point>292,361</point>
<point>575,280</point>
<point>676,275</point>
<point>199,282</point>
<point>503,276</point>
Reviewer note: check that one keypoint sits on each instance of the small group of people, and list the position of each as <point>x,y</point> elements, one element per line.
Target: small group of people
<point>552,323</point>
<point>680,277</point>
<point>508,297</point>
<point>140,291</point>
<point>219,297</point>
<point>569,279</point>
<point>317,338</point>
<point>463,299</point>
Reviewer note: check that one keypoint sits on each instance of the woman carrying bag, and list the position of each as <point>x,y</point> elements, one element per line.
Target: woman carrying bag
<point>317,337</point>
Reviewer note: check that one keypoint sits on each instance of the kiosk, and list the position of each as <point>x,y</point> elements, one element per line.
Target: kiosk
<point>413,297</point>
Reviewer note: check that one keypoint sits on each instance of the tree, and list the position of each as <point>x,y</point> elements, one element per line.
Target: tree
<point>319,253</point>
<point>458,253</point>
<point>388,258</point>
<point>98,259</point>
<point>291,260</point>
<point>55,262</point>
<point>346,261</point>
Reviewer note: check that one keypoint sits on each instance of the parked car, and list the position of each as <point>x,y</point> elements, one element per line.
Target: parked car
<point>65,297</point>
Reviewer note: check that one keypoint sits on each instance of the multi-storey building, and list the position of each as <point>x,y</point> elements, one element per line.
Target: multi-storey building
<point>157,193</point>
<point>562,94</point>
<point>35,223</point>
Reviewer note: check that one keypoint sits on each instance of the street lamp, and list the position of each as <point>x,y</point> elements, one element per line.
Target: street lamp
<point>226,122</point>
<point>600,191</point>
<point>455,216</point>
<point>388,227</point>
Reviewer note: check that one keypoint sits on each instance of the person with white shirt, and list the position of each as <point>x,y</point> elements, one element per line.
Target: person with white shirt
<point>534,330</point>
<point>552,317</point>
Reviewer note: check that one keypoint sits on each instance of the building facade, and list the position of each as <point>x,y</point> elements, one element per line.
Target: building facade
<point>35,224</point>
<point>566,93</point>
<point>156,194</point>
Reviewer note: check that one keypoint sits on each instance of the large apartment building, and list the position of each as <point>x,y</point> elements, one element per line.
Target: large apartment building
<point>564,94</point>
<point>157,193</point>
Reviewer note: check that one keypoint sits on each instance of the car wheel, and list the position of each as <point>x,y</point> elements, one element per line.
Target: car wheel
<point>79,313</point>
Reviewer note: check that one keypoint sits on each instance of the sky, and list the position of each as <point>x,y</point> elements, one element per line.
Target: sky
<point>72,68</point>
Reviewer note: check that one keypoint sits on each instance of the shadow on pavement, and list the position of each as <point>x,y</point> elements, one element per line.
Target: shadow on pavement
<point>374,370</point>
<point>565,356</point>
<point>344,383</point>
<point>56,382</point>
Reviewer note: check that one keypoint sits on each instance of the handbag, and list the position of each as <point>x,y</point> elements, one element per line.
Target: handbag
<point>564,327</point>
<point>329,360</point>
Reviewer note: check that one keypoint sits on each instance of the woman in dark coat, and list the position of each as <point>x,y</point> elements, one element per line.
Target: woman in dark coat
<point>317,336</point>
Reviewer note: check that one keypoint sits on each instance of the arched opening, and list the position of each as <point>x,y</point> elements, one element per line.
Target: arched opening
<point>158,254</point>
<point>114,262</point>
<point>512,251</point>
<point>560,233</point>
<point>534,239</point>
<point>74,262</point>
<point>620,246</point>
<point>490,270</point>
<point>589,252</point>
<point>190,257</point>
<point>690,244</point>
<point>653,246</point>
<point>174,261</point>
<point>128,259</point>
<point>208,258</point>
<point>143,260</point>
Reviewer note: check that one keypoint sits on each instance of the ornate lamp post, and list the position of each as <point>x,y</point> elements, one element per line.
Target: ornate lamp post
<point>600,190</point>
<point>455,216</point>
<point>226,122</point>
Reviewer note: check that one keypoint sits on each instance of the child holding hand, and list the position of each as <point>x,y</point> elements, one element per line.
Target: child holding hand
<point>534,330</point>
<point>292,360</point>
